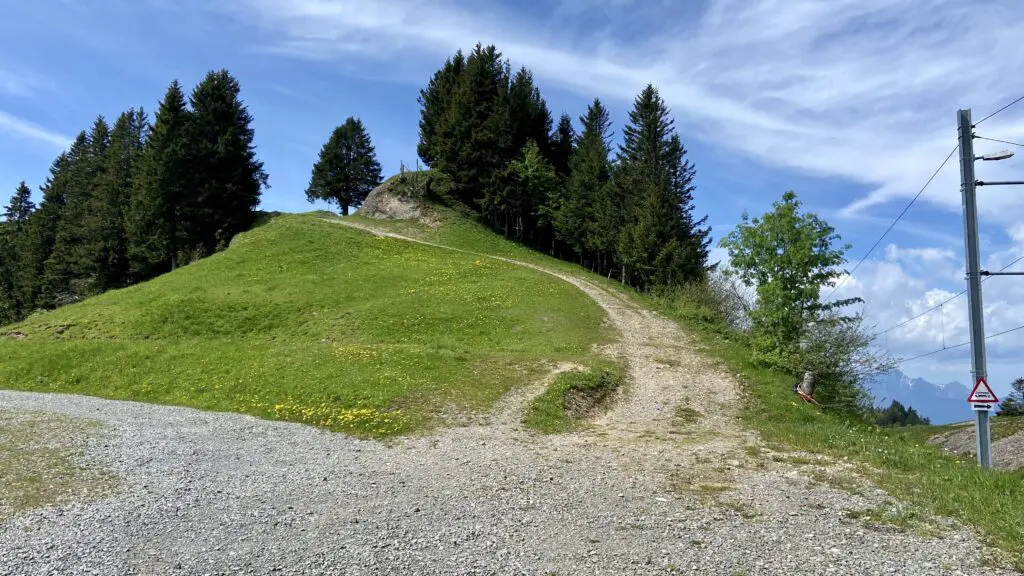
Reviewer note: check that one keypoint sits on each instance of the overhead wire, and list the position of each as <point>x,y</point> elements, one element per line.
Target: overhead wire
<point>943,303</point>
<point>999,111</point>
<point>894,222</point>
<point>962,344</point>
<point>1000,141</point>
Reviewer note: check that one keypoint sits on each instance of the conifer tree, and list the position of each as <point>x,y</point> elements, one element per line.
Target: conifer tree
<point>347,170</point>
<point>161,186</point>
<point>478,143</point>
<point>106,241</point>
<point>35,246</point>
<point>661,242</point>
<point>20,207</point>
<point>528,115</point>
<point>563,143</point>
<point>67,272</point>
<point>8,302</point>
<point>575,215</point>
<point>226,175</point>
<point>15,225</point>
<point>436,103</point>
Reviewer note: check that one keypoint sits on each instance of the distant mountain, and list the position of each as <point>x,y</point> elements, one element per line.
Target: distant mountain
<point>940,403</point>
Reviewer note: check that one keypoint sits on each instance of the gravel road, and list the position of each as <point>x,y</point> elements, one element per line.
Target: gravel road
<point>639,493</point>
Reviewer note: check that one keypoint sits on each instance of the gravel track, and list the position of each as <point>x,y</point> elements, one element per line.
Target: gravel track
<point>639,493</point>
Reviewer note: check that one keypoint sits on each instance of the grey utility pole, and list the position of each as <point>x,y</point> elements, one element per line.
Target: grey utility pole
<point>979,369</point>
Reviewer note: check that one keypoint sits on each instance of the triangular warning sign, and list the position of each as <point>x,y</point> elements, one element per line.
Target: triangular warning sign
<point>982,393</point>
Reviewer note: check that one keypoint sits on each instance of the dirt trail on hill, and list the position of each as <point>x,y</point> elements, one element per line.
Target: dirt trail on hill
<point>665,370</point>
<point>645,491</point>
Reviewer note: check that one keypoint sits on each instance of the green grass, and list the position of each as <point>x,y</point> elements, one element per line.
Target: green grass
<point>39,465</point>
<point>898,460</point>
<point>547,413</point>
<point>308,321</point>
<point>902,518</point>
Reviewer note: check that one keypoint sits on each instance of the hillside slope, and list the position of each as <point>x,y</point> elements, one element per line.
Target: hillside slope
<point>304,320</point>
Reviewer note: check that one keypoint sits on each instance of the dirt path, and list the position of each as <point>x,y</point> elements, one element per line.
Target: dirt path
<point>664,370</point>
<point>642,492</point>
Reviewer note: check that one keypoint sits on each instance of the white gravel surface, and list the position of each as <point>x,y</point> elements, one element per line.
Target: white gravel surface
<point>211,493</point>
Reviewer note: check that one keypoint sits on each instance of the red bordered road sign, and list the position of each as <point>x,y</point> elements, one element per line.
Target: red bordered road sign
<point>982,394</point>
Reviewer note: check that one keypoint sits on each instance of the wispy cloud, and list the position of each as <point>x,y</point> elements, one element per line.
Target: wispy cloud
<point>21,128</point>
<point>20,84</point>
<point>865,90</point>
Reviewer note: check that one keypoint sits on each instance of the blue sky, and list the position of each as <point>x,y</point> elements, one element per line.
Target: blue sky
<point>852,103</point>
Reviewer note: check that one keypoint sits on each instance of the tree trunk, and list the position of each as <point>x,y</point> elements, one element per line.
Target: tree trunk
<point>344,208</point>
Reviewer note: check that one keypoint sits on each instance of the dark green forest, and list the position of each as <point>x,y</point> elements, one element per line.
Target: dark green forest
<point>625,212</point>
<point>131,201</point>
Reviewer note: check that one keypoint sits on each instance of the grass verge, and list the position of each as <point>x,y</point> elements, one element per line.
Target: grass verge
<point>307,321</point>
<point>39,463</point>
<point>573,396</point>
<point>901,463</point>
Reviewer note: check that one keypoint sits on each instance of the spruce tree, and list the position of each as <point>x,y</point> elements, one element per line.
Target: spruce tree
<point>661,243</point>
<point>161,187</point>
<point>67,275</point>
<point>20,207</point>
<point>436,103</point>
<point>226,175</point>
<point>347,170</point>
<point>477,128</point>
<point>106,235</point>
<point>528,116</point>
<point>15,225</point>
<point>563,143</point>
<point>576,214</point>
<point>35,246</point>
<point>8,301</point>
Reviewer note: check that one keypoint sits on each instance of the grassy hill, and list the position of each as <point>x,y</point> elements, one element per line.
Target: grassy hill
<point>305,320</point>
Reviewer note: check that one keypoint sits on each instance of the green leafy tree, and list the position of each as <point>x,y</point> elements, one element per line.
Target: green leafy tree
<point>1013,405</point>
<point>435,106</point>
<point>530,181</point>
<point>787,256</point>
<point>161,190</point>
<point>226,176</point>
<point>347,170</point>
<point>662,244</point>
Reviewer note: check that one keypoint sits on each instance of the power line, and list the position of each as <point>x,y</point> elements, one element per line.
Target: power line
<point>1000,141</point>
<point>894,222</point>
<point>998,111</point>
<point>943,303</point>
<point>933,352</point>
<point>962,344</point>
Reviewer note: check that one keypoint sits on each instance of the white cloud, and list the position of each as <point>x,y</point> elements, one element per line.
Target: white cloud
<point>924,255</point>
<point>19,84</point>
<point>21,128</point>
<point>896,291</point>
<point>866,90</point>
